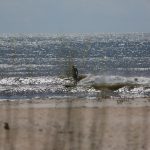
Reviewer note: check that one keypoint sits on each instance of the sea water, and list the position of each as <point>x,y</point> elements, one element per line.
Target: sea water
<point>38,66</point>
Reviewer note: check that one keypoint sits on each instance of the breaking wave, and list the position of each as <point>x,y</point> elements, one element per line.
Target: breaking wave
<point>90,86</point>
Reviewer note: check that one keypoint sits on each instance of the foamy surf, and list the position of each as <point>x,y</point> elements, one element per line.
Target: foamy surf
<point>90,87</point>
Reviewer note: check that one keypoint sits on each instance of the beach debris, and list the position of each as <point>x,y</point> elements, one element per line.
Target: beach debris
<point>6,126</point>
<point>41,130</point>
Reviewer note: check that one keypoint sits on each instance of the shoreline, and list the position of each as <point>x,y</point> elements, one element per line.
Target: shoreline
<point>77,103</point>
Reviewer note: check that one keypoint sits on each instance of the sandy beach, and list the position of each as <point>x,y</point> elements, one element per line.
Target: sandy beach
<point>105,124</point>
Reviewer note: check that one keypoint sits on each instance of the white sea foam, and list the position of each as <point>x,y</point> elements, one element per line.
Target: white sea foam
<point>54,87</point>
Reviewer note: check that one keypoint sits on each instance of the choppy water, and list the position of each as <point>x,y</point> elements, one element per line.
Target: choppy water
<point>38,66</point>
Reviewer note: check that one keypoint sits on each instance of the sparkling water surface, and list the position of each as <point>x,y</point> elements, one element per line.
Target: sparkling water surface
<point>38,66</point>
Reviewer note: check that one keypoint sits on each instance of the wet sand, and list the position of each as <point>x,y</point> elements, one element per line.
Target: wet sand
<point>75,125</point>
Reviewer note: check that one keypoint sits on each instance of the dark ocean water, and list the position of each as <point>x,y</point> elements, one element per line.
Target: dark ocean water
<point>38,66</point>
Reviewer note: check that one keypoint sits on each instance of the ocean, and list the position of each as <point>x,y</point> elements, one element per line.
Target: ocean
<point>38,66</point>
